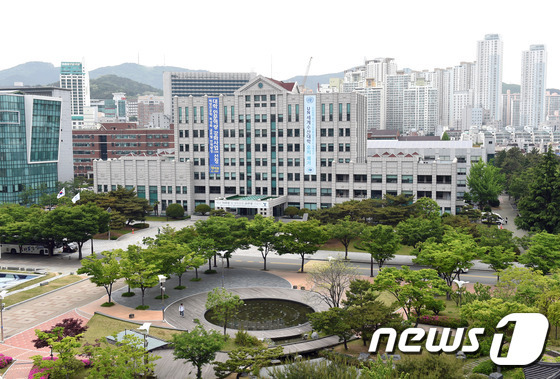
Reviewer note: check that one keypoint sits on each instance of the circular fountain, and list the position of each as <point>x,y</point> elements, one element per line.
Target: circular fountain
<point>266,314</point>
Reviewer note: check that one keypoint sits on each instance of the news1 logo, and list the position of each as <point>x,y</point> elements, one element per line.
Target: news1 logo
<point>526,345</point>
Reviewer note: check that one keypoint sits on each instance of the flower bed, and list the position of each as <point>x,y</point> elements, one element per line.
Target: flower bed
<point>5,360</point>
<point>448,322</point>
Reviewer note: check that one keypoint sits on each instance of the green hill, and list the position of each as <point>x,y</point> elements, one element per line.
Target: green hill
<point>104,87</point>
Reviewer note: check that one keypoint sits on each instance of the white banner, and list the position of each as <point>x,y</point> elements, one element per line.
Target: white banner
<point>310,134</point>
<point>240,204</point>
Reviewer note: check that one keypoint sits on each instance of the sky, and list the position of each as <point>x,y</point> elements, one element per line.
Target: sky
<point>276,38</point>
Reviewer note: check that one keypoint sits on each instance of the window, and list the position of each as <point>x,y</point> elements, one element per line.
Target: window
<point>331,147</point>
<point>323,146</point>
<point>310,191</point>
<point>293,191</point>
<point>377,178</point>
<point>443,179</point>
<point>461,171</point>
<point>347,147</point>
<point>424,179</point>
<point>326,192</point>
<point>360,178</point>
<point>347,111</point>
<point>297,112</point>
<point>391,178</point>
<point>376,194</point>
<point>407,179</point>
<point>340,112</point>
<point>330,112</point>
<point>340,147</point>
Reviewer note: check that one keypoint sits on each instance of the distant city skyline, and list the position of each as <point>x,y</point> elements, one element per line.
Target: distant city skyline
<point>276,40</point>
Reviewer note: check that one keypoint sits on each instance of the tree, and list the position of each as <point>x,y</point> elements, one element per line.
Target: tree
<point>498,258</point>
<point>345,231</point>
<point>175,210</point>
<point>86,221</point>
<point>66,348</point>
<point>445,137</point>
<point>367,313</point>
<point>103,271</point>
<point>224,304</point>
<point>137,270</point>
<point>67,327</point>
<point>129,360</point>
<point>302,238</point>
<point>427,208</point>
<point>487,314</point>
<point>449,257</point>
<point>412,289</point>
<point>523,285</point>
<point>333,321</point>
<point>244,360</point>
<point>430,366</point>
<point>202,209</point>
<point>291,211</point>
<point>229,233</point>
<point>198,346</point>
<point>553,316</point>
<point>419,229</point>
<point>381,242</point>
<point>125,202</point>
<point>539,210</point>
<point>543,253</point>
<point>262,233</point>
<point>331,279</point>
<point>485,183</point>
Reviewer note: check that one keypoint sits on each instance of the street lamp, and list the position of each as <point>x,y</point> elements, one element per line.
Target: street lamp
<point>2,296</point>
<point>460,284</point>
<point>145,330</point>
<point>162,279</point>
<point>109,211</point>
<point>222,258</point>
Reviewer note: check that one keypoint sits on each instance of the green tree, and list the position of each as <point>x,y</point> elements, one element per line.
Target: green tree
<point>345,231</point>
<point>84,222</point>
<point>413,290</point>
<point>202,209</point>
<point>224,304</point>
<point>445,137</point>
<point>485,183</point>
<point>104,271</point>
<point>66,348</point>
<point>430,366</point>
<point>487,314</point>
<point>291,211</point>
<point>539,210</point>
<point>128,360</point>
<point>262,233</point>
<point>334,321</point>
<point>498,258</point>
<point>449,257</point>
<point>125,202</point>
<point>137,269</point>
<point>175,210</point>
<point>427,208</point>
<point>522,285</point>
<point>543,253</point>
<point>419,229</point>
<point>245,360</point>
<point>302,238</point>
<point>229,233</point>
<point>330,280</point>
<point>198,346</point>
<point>381,242</point>
<point>553,316</point>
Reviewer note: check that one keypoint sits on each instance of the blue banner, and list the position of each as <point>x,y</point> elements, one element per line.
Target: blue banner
<point>214,135</point>
<point>310,134</point>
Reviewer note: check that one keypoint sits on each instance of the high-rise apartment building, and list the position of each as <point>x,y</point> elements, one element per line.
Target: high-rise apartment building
<point>36,135</point>
<point>420,110</point>
<point>74,77</point>
<point>378,69</point>
<point>488,86</point>
<point>396,85</point>
<point>511,104</point>
<point>533,86</point>
<point>183,84</point>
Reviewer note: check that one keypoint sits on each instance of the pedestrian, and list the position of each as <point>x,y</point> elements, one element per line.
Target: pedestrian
<point>181,310</point>
<point>506,220</point>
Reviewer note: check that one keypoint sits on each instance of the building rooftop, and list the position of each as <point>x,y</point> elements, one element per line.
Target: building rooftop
<point>391,144</point>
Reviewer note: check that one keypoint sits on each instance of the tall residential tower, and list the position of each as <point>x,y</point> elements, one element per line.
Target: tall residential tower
<point>74,77</point>
<point>488,87</point>
<point>533,86</point>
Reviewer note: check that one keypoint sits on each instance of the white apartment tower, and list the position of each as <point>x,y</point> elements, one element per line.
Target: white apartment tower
<point>74,77</point>
<point>379,68</point>
<point>396,85</point>
<point>488,87</point>
<point>420,110</point>
<point>533,86</point>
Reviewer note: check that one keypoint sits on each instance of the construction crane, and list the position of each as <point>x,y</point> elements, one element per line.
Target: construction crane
<point>306,73</point>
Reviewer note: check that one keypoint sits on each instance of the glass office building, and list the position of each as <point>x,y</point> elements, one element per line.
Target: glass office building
<point>29,146</point>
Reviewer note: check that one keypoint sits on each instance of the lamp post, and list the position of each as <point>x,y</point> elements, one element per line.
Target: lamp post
<point>162,279</point>
<point>109,211</point>
<point>145,330</point>
<point>460,284</point>
<point>222,258</point>
<point>2,296</point>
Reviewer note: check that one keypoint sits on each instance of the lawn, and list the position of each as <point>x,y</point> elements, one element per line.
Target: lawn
<point>100,327</point>
<point>57,283</point>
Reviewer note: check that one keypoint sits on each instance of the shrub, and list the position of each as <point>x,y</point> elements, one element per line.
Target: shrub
<point>448,322</point>
<point>142,307</point>
<point>5,360</point>
<point>486,368</point>
<point>179,287</point>
<point>86,362</point>
<point>242,338</point>
<point>291,211</point>
<point>435,306</point>
<point>128,294</point>
<point>140,225</point>
<point>175,210</point>
<point>202,209</point>
<point>210,272</point>
<point>108,304</point>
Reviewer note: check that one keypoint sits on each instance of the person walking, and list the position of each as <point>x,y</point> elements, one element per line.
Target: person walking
<point>181,310</point>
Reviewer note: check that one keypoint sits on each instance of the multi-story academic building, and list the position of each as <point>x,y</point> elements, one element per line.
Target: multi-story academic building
<point>35,135</point>
<point>268,146</point>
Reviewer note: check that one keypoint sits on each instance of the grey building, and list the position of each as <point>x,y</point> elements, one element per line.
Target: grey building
<point>183,84</point>
<point>268,146</point>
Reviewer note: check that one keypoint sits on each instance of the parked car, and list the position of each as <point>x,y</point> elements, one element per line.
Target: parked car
<point>69,247</point>
<point>493,218</point>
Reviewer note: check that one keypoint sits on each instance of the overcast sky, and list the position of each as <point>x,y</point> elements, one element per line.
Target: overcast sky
<point>276,38</point>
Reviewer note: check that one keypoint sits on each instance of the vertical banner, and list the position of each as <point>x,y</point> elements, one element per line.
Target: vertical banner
<point>214,135</point>
<point>310,134</point>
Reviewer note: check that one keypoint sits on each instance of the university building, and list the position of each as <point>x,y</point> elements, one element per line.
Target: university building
<point>268,146</point>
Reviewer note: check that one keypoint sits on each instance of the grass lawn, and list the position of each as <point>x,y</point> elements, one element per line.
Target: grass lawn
<point>57,283</point>
<point>100,327</point>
